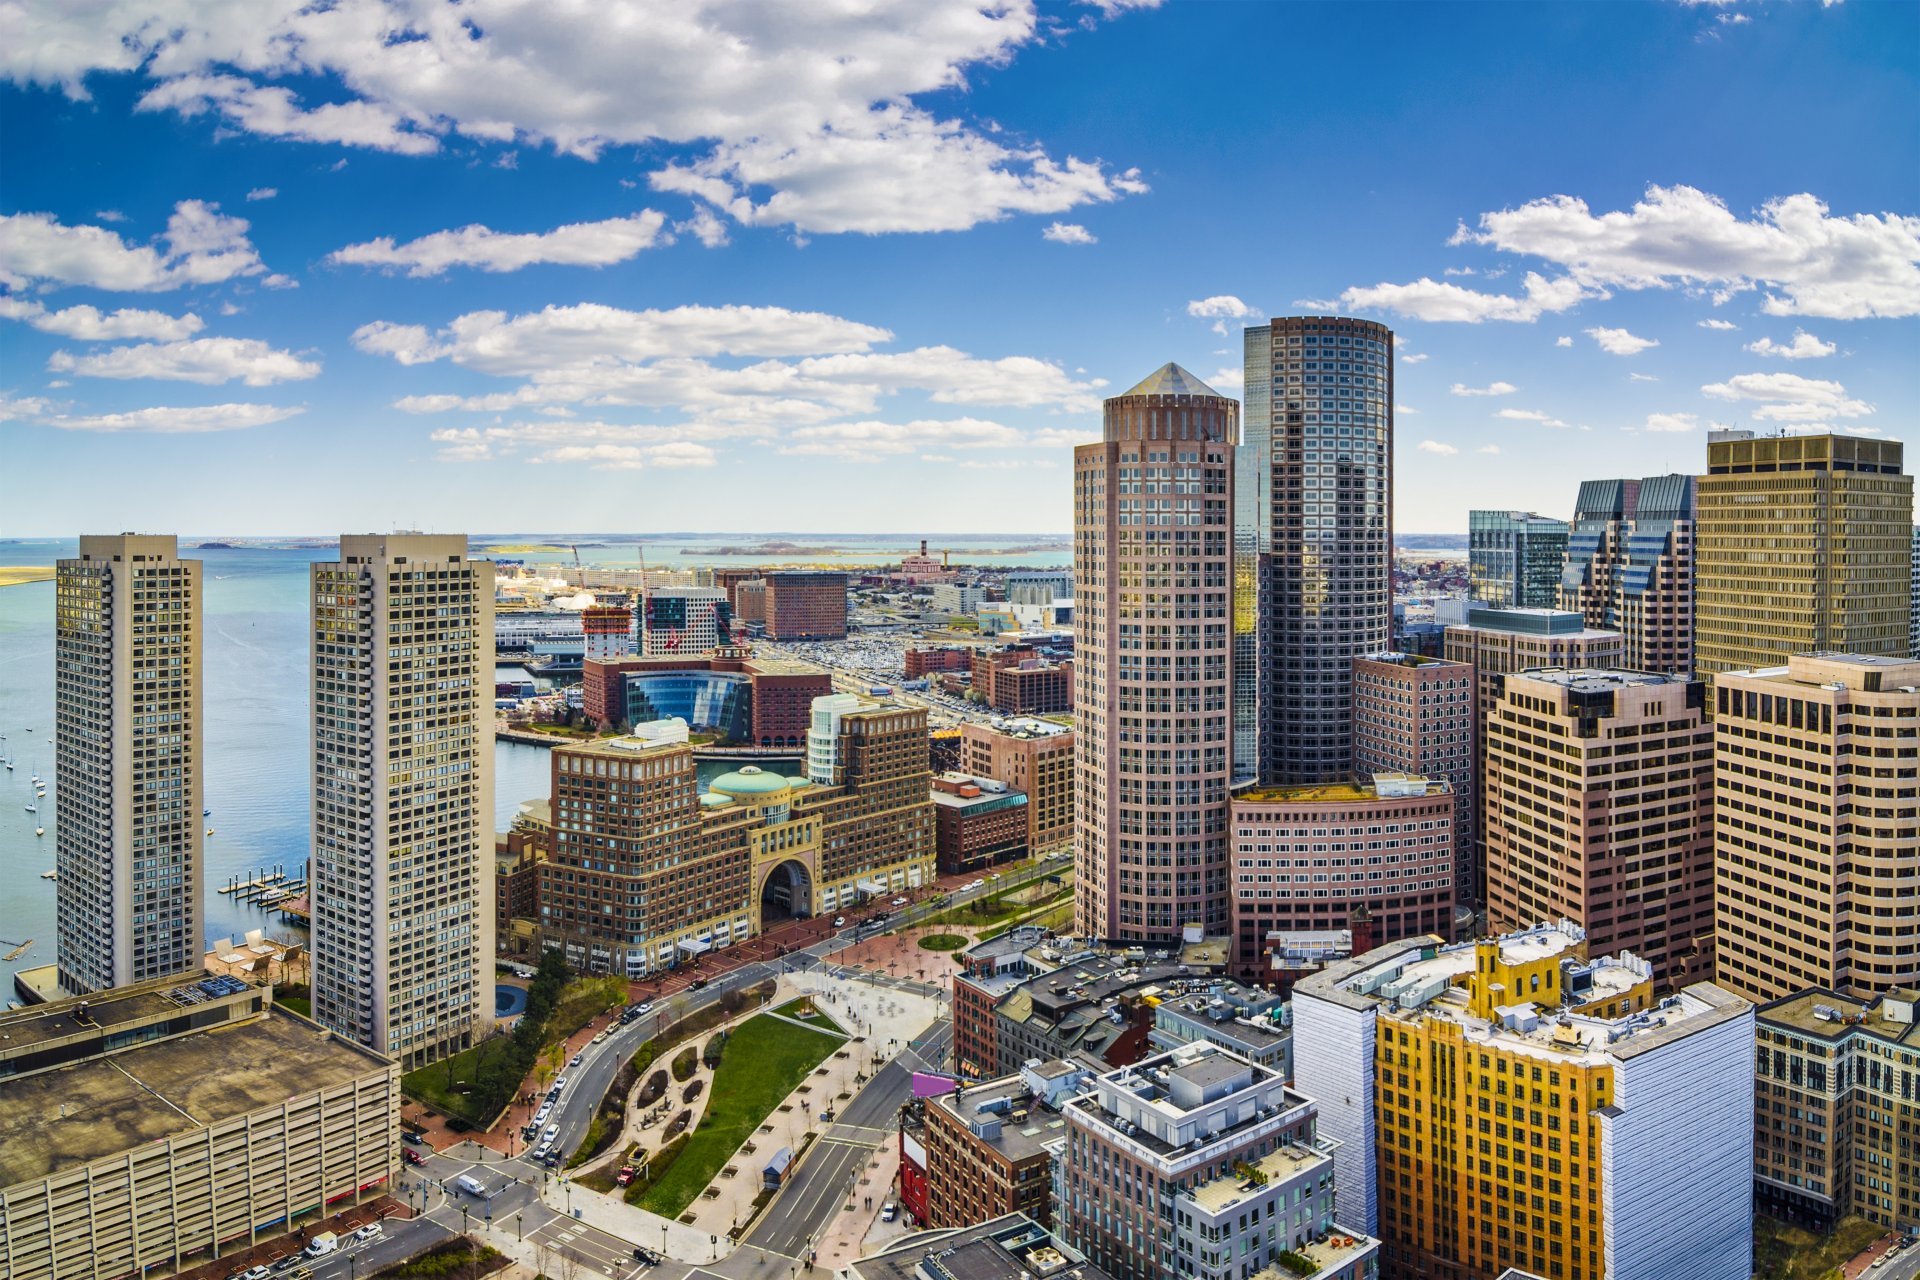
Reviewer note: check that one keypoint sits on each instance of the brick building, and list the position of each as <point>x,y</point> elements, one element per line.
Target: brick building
<point>923,662</point>
<point>1034,756</point>
<point>1415,715</point>
<point>806,604</point>
<point>1019,681</point>
<point>977,823</point>
<point>986,1149</point>
<point>764,701</point>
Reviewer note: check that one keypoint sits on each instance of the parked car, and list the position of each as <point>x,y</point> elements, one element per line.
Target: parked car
<point>839,922</point>
<point>645,1007</point>
<point>889,1211</point>
<point>372,1231</point>
<point>899,902</point>
<point>697,983</point>
<point>553,1131</point>
<point>558,1084</point>
<point>574,1061</point>
<point>414,1138</point>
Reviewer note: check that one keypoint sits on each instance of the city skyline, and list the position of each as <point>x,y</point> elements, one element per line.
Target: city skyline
<point>654,294</point>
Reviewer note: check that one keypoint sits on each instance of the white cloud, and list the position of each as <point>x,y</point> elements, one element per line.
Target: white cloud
<point>1491,389</point>
<point>1671,422</point>
<point>1717,324</point>
<point>1434,446</point>
<point>203,246</point>
<point>90,324</point>
<point>1488,448</point>
<point>1420,358</point>
<point>1220,306</point>
<point>174,420</point>
<point>579,244</point>
<point>705,226</point>
<point>1403,409</point>
<point>203,360</point>
<point>1563,341</point>
<point>808,123</point>
<point>1429,299</point>
<point>869,441</point>
<point>1848,267</point>
<point>1803,347</point>
<point>1068,233</point>
<point>631,457</point>
<point>1788,397</point>
<point>1618,342</point>
<point>1459,271</point>
<point>1530,415</point>
<point>1642,377</point>
<point>1228,379</point>
<point>263,193</point>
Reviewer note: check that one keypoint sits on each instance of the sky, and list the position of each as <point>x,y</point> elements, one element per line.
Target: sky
<point>871,265</point>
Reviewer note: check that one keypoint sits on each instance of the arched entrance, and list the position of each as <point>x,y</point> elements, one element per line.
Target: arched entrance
<point>786,894</point>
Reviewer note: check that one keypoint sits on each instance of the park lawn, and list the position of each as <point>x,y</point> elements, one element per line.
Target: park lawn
<point>819,1019</point>
<point>991,910</point>
<point>1784,1252</point>
<point>765,1060</point>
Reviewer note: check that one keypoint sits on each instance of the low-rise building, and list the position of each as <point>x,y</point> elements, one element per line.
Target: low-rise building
<point>978,823</point>
<point>1198,1163</point>
<point>1837,1108</point>
<point>1014,1247</point>
<point>149,1129</point>
<point>920,663</point>
<point>1508,1102</point>
<point>962,598</point>
<point>1031,755</point>
<point>1306,857</point>
<point>985,1145</point>
<point>1019,681</point>
<point>1254,1024</point>
<point>767,702</point>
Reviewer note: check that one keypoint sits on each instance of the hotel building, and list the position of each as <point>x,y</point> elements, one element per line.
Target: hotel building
<point>1152,687</point>
<point>646,872</point>
<point>154,1127</point>
<point>1416,715</point>
<point>1816,788</point>
<point>1306,858</point>
<point>1629,567</point>
<point>1507,1103</point>
<point>1837,1108</point>
<point>1514,558</point>
<point>1198,1163</point>
<point>127,762</point>
<point>403,828</point>
<point>1312,541</point>
<point>1804,546</point>
<point>1034,756</point>
<point>1599,810</point>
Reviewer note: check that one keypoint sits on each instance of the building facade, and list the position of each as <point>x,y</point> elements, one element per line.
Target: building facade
<point>764,701</point>
<point>606,631</point>
<point>1599,810</point>
<point>986,1146</point>
<point>647,873</point>
<point>806,604</point>
<point>684,620</point>
<point>978,823</point>
<point>1837,1108</point>
<point>153,1128</point>
<point>1804,546</point>
<point>1596,1101</point>
<point>1033,756</point>
<point>1039,587</point>
<point>1415,715</point>
<point>127,763</point>
<point>962,598</point>
<point>1816,787</point>
<point>1629,567</point>
<point>1913,627</point>
<point>1313,540</point>
<point>1152,678</point>
<point>1019,681</point>
<point>1514,559</point>
<point>1198,1163</point>
<point>920,663</point>
<point>403,837</point>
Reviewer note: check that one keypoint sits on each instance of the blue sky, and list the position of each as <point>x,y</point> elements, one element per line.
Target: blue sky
<point>737,266</point>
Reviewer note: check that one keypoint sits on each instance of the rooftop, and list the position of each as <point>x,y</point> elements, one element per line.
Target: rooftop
<point>111,1103</point>
<point>1860,671</point>
<point>1013,1247</point>
<point>1385,786</point>
<point>1217,1195</point>
<point>1171,380</point>
<point>1558,623</point>
<point>1024,1126</point>
<point>1843,1016</point>
<point>1600,679</point>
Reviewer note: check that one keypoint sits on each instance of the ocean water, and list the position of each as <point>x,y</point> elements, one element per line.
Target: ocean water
<point>255,689</point>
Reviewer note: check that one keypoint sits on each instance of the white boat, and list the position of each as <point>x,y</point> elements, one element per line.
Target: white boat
<point>49,875</point>
<point>33,808</point>
<point>39,831</point>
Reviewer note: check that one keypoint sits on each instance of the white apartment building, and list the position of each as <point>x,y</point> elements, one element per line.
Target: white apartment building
<point>964,598</point>
<point>684,621</point>
<point>127,762</point>
<point>403,876</point>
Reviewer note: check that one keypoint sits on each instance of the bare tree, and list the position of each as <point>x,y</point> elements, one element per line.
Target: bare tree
<point>543,1259</point>
<point>569,1265</point>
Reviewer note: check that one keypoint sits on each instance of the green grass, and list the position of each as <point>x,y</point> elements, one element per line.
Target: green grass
<point>298,1004</point>
<point>942,942</point>
<point>993,909</point>
<point>1057,916</point>
<point>1783,1252</point>
<point>766,1058</point>
<point>436,1084</point>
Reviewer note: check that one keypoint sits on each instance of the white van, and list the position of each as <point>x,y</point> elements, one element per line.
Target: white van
<point>322,1245</point>
<point>471,1186</point>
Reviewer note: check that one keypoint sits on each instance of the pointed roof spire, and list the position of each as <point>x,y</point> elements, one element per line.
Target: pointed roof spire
<point>1171,380</point>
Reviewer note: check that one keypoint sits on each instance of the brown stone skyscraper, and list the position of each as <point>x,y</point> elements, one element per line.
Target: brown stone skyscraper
<point>1152,507</point>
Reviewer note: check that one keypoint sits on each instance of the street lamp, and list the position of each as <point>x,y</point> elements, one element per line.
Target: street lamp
<point>517,1233</point>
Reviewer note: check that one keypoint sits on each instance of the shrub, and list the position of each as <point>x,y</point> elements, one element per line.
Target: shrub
<point>655,1089</point>
<point>692,1091</point>
<point>679,1125</point>
<point>685,1063</point>
<point>715,1047</point>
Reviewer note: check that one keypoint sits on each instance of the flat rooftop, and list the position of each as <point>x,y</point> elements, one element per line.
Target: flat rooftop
<point>1599,679</point>
<point>102,1106</point>
<point>1019,1139</point>
<point>1801,1013</point>
<point>1282,1166</point>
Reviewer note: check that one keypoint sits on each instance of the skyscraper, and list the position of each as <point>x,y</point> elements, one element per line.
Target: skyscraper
<point>1151,506</point>
<point>1599,810</point>
<point>1313,541</point>
<point>402,882</point>
<point>1804,546</point>
<point>1514,558</point>
<point>1816,783</point>
<point>1913,626</point>
<point>127,752</point>
<point>1629,567</point>
<point>1417,715</point>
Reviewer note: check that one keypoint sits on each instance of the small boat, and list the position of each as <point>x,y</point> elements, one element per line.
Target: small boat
<point>39,831</point>
<point>209,830</point>
<point>33,808</point>
<point>206,813</point>
<point>49,875</point>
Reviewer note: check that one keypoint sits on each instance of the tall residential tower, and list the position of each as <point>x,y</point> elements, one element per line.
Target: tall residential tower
<point>127,753</point>
<point>1151,507</point>
<point>402,883</point>
<point>1313,541</point>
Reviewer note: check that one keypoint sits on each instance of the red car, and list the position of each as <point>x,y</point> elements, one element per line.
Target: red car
<point>411,1156</point>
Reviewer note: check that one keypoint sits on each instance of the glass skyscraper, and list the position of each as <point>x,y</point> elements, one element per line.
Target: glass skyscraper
<point>1515,559</point>
<point>1313,540</point>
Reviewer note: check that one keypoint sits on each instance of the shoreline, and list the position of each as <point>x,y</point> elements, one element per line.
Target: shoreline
<point>20,575</point>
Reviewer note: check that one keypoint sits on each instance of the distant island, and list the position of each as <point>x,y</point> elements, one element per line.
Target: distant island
<point>213,546</point>
<point>764,549</point>
<point>1029,548</point>
<point>14,575</point>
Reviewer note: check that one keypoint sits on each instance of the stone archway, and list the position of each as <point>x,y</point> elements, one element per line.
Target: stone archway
<point>786,893</point>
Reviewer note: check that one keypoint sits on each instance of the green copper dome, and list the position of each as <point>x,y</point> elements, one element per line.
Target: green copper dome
<point>749,781</point>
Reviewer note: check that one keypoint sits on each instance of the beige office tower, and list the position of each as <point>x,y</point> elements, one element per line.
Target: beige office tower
<point>1152,680</point>
<point>403,889</point>
<point>126,762</point>
<point>1599,810</point>
<point>1816,787</point>
<point>1803,546</point>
